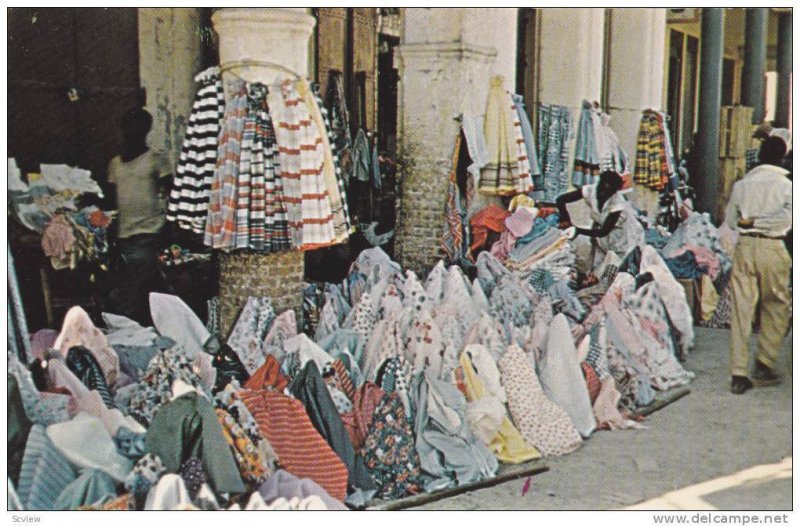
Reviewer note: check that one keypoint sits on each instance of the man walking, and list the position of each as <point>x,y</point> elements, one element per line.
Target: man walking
<point>760,208</point>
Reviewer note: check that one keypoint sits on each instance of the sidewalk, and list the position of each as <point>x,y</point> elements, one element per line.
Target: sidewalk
<point>709,434</point>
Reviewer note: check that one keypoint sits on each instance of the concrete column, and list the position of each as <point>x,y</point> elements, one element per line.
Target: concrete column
<point>169,58</point>
<point>279,39</point>
<point>755,61</point>
<point>571,56</point>
<point>711,42</point>
<point>782,114</point>
<point>636,80</point>
<point>571,68</point>
<point>636,69</point>
<point>446,59</point>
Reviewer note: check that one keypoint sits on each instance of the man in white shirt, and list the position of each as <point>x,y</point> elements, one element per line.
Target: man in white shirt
<point>760,208</point>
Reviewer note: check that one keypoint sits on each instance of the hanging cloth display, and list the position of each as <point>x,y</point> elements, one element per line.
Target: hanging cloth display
<point>188,199</point>
<point>555,126</point>
<point>221,222</point>
<point>301,158</point>
<point>654,158</point>
<point>336,198</point>
<point>508,171</point>
<point>455,238</point>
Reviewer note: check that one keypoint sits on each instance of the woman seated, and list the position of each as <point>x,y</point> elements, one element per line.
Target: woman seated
<point>615,227</point>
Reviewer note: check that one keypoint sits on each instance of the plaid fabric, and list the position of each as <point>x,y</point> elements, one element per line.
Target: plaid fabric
<point>555,125</point>
<point>188,199</point>
<point>751,159</point>
<point>652,156</point>
<point>523,180</point>
<point>221,222</point>
<point>301,155</point>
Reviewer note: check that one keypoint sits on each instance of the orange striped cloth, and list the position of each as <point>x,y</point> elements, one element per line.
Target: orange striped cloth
<point>358,421</point>
<point>300,448</point>
<point>267,376</point>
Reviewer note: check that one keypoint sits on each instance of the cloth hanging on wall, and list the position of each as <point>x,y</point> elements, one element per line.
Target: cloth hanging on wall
<point>597,147</point>
<point>654,158</point>
<point>508,170</point>
<point>555,127</point>
<point>188,199</point>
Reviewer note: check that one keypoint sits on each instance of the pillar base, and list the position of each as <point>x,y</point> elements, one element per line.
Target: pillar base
<point>276,276</point>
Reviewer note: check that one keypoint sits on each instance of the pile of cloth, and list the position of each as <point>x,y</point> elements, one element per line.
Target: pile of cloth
<point>49,206</point>
<point>258,172</point>
<point>405,386</point>
<point>699,251</point>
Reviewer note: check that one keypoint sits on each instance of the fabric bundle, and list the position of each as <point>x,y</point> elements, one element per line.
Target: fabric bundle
<point>188,199</point>
<point>302,159</point>
<point>508,170</point>
<point>555,127</point>
<point>597,147</point>
<point>654,158</point>
<point>277,184</point>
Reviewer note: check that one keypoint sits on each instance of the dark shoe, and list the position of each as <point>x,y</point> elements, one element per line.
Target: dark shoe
<point>764,376</point>
<point>740,384</point>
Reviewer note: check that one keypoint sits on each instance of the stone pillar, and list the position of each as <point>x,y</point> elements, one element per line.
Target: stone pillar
<point>571,70</point>
<point>711,41</point>
<point>636,80</point>
<point>755,61</point>
<point>446,60</point>
<point>279,39</point>
<point>571,56</point>
<point>169,58</point>
<point>636,69</point>
<point>782,106</point>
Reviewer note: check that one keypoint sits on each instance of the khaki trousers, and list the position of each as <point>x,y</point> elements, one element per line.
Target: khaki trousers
<point>761,269</point>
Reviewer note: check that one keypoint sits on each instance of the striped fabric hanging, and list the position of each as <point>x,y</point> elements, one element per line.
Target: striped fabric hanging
<point>188,199</point>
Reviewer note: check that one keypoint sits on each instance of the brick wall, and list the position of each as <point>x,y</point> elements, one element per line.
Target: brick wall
<point>277,276</point>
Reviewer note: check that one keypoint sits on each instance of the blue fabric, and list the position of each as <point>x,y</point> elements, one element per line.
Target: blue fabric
<point>654,238</point>
<point>585,147</point>
<point>91,487</point>
<point>130,444</point>
<point>685,266</point>
<point>565,302</point>
<point>555,123</point>
<point>631,262</point>
<point>44,474</point>
<point>540,226</point>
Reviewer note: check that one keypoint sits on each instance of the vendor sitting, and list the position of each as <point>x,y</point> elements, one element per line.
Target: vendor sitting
<point>615,227</point>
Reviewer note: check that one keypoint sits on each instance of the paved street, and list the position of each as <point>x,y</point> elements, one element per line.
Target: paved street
<point>744,441</point>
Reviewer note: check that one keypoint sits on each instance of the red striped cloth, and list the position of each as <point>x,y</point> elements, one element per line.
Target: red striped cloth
<point>300,448</point>
<point>343,381</point>
<point>359,420</point>
<point>267,376</point>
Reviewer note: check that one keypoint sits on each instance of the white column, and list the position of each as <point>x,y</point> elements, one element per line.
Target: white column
<point>169,58</point>
<point>278,40</point>
<point>571,56</point>
<point>571,71</point>
<point>446,59</point>
<point>636,80</point>
<point>636,69</point>
<point>276,35</point>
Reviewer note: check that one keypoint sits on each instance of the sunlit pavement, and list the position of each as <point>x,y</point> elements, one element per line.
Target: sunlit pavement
<point>710,449</point>
<point>749,483</point>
